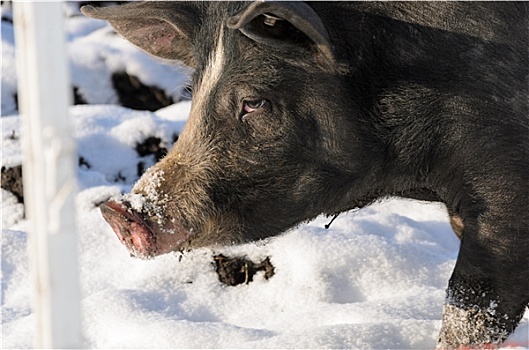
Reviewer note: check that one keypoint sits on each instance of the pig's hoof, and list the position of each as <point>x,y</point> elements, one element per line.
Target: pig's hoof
<point>131,230</point>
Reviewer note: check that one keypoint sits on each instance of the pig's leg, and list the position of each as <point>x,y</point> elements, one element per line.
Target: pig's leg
<point>489,288</point>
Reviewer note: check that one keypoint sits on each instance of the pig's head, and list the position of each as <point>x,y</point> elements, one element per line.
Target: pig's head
<point>266,145</point>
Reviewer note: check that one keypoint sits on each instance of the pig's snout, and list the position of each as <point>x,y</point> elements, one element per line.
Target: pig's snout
<point>142,238</point>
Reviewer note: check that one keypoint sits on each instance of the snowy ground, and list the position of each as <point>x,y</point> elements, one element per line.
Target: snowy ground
<point>374,280</point>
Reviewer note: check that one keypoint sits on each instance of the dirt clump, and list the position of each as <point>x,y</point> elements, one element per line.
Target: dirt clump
<point>132,93</point>
<point>12,181</point>
<point>234,271</point>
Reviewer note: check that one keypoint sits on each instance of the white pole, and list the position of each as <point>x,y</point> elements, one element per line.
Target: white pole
<point>49,172</point>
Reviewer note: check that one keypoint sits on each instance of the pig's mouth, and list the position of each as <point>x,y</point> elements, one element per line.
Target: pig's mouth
<point>143,239</point>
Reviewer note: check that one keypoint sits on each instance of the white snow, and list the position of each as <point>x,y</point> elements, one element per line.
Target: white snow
<point>376,279</point>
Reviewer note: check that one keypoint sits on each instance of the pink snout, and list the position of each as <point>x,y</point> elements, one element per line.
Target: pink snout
<point>142,239</point>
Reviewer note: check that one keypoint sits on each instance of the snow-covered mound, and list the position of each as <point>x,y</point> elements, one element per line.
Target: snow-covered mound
<point>375,279</point>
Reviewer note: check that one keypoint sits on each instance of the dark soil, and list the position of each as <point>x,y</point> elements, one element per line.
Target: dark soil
<point>234,271</point>
<point>150,146</point>
<point>77,98</point>
<point>83,163</point>
<point>132,93</point>
<point>12,181</point>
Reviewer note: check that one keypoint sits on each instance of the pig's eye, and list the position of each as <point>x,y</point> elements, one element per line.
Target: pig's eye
<point>251,106</point>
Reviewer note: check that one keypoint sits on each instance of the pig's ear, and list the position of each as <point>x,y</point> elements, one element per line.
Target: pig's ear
<point>277,23</point>
<point>162,29</point>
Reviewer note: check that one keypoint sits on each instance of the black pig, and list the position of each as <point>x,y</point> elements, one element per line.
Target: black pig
<point>301,109</point>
